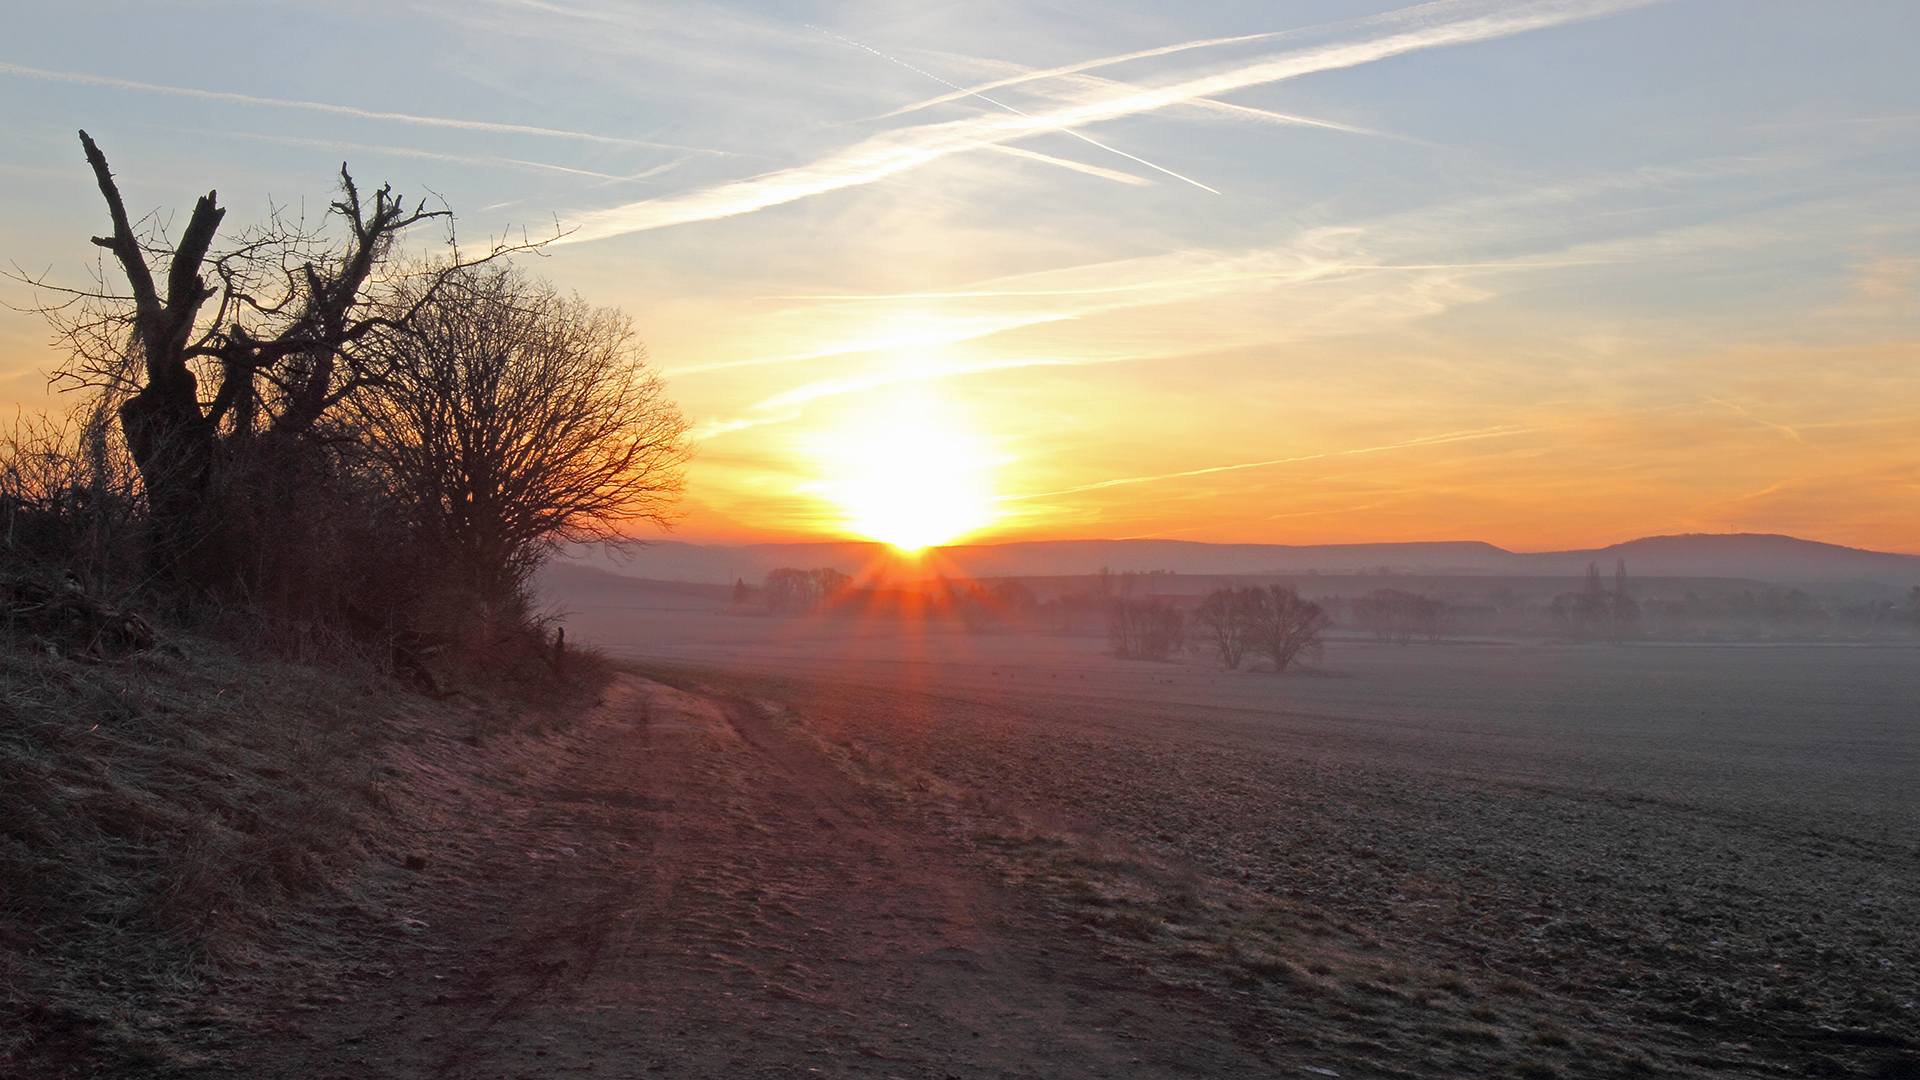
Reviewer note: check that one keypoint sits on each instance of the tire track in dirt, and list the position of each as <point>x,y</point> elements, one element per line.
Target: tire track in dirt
<point>697,888</point>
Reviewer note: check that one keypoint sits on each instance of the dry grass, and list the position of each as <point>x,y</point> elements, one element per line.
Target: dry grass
<point>154,814</point>
<point>158,815</point>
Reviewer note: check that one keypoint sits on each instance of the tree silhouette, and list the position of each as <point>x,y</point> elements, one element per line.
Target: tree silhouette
<point>517,420</point>
<point>225,362</point>
<point>1282,624</point>
<point>1222,624</point>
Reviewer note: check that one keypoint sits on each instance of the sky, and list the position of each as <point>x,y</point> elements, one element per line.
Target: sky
<point>1547,274</point>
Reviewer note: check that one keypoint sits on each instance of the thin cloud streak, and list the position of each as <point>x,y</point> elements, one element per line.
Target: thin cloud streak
<point>786,406</point>
<point>854,384</point>
<point>1289,119</point>
<point>1432,440</point>
<point>407,152</point>
<point>1305,274</point>
<point>1426,12</point>
<point>1090,170</point>
<point>338,110</point>
<point>892,153</point>
<point>968,330</point>
<point>1386,18</point>
<point>1789,432</point>
<point>1018,112</point>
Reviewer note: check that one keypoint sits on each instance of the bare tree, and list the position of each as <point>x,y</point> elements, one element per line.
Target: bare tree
<point>516,420</point>
<point>1623,614</point>
<point>792,591</point>
<point>1222,624</point>
<point>1281,624</point>
<point>789,591</point>
<point>289,326</point>
<point>827,584</point>
<point>69,497</point>
<point>1144,628</point>
<point>1597,611</point>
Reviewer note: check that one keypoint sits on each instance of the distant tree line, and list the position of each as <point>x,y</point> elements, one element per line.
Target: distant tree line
<point>1597,611</point>
<point>1143,616</point>
<point>791,591</point>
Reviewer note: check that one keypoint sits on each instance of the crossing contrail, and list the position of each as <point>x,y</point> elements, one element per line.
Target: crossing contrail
<point>894,152</point>
<point>964,92</point>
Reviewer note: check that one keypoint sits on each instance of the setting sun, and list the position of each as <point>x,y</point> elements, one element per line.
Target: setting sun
<point>905,471</point>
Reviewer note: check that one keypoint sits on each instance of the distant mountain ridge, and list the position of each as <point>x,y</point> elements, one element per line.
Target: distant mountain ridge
<point>1760,556</point>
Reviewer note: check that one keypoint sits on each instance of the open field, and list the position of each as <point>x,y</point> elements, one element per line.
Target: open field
<point>1709,854</point>
<point>1804,728</point>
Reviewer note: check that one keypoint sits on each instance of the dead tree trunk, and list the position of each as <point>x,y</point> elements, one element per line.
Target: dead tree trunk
<point>294,332</point>
<point>169,435</point>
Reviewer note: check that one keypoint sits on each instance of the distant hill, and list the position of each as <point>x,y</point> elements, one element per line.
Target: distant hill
<point>1756,555</point>
<point>1763,557</point>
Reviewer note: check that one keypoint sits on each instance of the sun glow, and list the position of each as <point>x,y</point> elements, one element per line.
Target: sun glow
<point>904,470</point>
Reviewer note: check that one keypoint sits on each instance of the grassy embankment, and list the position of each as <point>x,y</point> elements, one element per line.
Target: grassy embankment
<point>167,816</point>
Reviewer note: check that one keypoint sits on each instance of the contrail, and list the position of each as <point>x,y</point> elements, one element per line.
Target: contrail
<point>891,153</point>
<point>1090,170</point>
<point>1085,65</point>
<point>402,151</point>
<point>1405,15</point>
<point>1288,118</point>
<point>1017,112</point>
<point>338,110</point>
<point>1431,440</point>
<point>1208,104</point>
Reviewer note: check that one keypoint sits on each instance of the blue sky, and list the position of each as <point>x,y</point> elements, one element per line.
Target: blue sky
<point>1548,273</point>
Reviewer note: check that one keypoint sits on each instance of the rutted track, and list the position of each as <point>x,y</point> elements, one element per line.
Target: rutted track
<point>705,891</point>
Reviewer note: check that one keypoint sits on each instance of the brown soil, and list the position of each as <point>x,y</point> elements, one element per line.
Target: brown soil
<point>797,877</point>
<point>701,888</point>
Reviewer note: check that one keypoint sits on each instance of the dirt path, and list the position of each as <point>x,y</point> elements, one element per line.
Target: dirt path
<point>700,888</point>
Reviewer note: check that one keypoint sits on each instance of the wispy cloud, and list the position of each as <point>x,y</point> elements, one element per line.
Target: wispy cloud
<point>337,110</point>
<point>1324,270</point>
<point>925,330</point>
<point>1430,440</point>
<point>787,405</point>
<point>894,152</point>
<point>1339,280</point>
<point>1789,432</point>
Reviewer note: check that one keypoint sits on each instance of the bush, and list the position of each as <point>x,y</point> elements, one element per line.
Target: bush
<point>1144,628</point>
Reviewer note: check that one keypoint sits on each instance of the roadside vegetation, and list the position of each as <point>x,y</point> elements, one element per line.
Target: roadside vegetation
<point>287,527</point>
